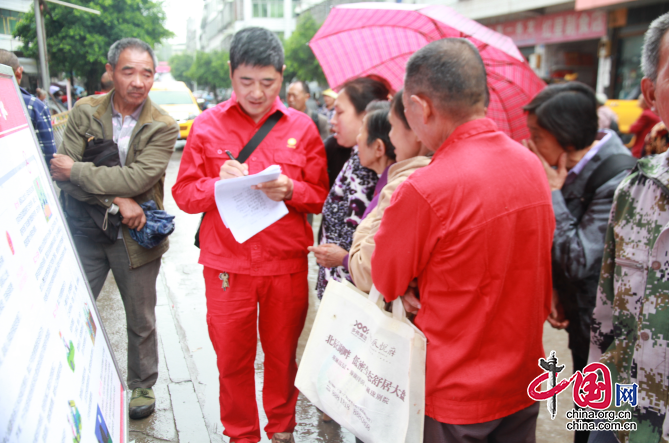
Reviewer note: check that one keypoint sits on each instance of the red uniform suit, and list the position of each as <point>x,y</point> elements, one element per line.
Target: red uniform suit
<point>269,270</point>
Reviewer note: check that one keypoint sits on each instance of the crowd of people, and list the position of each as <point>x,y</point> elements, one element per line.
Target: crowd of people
<point>422,196</point>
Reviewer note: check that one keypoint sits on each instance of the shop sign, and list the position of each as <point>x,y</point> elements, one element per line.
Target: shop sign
<point>555,28</point>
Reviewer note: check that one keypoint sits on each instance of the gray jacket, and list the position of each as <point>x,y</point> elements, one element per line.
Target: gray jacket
<point>578,246</point>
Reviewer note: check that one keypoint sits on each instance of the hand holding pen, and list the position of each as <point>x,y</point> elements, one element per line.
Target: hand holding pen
<point>232,168</point>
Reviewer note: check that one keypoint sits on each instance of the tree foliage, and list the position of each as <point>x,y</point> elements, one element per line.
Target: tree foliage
<point>180,64</point>
<point>78,41</point>
<point>210,69</point>
<point>301,62</point>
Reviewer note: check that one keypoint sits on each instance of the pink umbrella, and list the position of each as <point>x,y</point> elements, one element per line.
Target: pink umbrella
<point>378,38</point>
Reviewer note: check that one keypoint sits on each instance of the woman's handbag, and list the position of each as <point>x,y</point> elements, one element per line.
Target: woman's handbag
<point>365,367</point>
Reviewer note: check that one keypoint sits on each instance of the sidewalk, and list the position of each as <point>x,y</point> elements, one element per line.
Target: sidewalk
<point>178,417</point>
<point>187,387</point>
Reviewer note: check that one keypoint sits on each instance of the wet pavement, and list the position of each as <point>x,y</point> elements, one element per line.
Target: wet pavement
<point>187,408</point>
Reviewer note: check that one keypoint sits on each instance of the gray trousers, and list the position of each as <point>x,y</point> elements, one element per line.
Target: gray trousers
<point>138,292</point>
<point>519,427</point>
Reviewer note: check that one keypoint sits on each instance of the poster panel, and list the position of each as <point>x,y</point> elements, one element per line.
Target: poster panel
<point>58,376</point>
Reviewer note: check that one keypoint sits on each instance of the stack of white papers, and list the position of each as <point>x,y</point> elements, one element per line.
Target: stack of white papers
<point>247,211</point>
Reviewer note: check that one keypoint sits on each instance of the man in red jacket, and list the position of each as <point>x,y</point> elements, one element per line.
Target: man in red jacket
<point>269,270</point>
<point>475,228</point>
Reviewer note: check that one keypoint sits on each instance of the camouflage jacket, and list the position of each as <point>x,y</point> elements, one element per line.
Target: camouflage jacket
<point>630,327</point>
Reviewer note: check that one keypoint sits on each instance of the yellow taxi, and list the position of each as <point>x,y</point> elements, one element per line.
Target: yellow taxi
<point>628,112</point>
<point>178,101</point>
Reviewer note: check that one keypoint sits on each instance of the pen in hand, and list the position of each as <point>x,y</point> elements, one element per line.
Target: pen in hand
<point>242,168</point>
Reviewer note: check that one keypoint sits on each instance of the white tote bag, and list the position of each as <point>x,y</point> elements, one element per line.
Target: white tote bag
<point>365,367</point>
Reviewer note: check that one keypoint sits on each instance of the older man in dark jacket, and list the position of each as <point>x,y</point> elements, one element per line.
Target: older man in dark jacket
<point>563,124</point>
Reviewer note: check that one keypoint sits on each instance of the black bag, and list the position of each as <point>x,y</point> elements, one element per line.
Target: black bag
<point>246,152</point>
<point>94,221</point>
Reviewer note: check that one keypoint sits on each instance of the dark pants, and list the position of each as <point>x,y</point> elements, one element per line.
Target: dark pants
<point>579,364</point>
<point>519,427</point>
<point>603,437</point>
<point>138,292</point>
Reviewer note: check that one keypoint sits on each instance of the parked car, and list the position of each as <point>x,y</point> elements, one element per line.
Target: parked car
<point>178,101</point>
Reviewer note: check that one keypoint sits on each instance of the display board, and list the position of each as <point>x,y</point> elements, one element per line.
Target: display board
<point>59,381</point>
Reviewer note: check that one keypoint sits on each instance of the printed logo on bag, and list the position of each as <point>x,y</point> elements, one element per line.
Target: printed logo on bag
<point>592,392</point>
<point>360,331</point>
<point>292,143</point>
<point>383,348</point>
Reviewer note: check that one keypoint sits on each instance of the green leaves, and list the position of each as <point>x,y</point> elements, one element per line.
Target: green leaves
<point>180,64</point>
<point>301,62</point>
<point>78,41</point>
<point>210,69</point>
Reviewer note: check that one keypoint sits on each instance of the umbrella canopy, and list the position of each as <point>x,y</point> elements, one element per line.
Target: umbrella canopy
<point>378,38</point>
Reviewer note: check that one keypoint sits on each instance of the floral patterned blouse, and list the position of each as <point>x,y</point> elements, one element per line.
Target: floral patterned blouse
<point>342,212</point>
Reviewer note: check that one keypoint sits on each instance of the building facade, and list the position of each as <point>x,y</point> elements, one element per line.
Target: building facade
<point>11,12</point>
<point>222,18</point>
<point>597,42</point>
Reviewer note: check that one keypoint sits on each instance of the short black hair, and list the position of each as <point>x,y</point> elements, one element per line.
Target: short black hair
<point>256,47</point>
<point>397,106</point>
<point>363,90</point>
<point>451,72</point>
<point>305,85</point>
<point>378,126</point>
<point>569,112</point>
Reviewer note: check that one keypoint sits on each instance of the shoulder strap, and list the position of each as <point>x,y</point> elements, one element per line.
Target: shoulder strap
<point>609,168</point>
<point>259,136</point>
<point>246,152</point>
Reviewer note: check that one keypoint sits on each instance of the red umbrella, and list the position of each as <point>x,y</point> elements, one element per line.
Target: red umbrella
<point>378,38</point>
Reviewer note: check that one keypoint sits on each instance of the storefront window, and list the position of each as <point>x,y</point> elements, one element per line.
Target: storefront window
<point>628,72</point>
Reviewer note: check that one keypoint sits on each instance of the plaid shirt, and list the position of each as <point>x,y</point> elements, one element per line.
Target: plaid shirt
<point>41,119</point>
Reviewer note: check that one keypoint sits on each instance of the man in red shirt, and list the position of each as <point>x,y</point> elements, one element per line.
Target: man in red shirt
<point>270,269</point>
<point>475,228</point>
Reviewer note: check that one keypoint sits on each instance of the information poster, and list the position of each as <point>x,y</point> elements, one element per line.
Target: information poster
<point>58,378</point>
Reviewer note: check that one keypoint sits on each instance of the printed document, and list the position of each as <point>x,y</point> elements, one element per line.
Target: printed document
<point>247,211</point>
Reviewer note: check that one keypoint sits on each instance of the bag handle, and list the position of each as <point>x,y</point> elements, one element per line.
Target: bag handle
<point>398,308</point>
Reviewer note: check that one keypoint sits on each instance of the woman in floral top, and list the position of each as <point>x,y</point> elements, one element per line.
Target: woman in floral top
<point>355,184</point>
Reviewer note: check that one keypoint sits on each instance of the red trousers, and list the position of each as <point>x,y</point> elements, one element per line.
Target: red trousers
<point>276,306</point>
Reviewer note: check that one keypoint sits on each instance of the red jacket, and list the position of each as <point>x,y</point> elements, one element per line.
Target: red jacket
<point>475,227</point>
<point>295,145</point>
<point>641,128</point>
